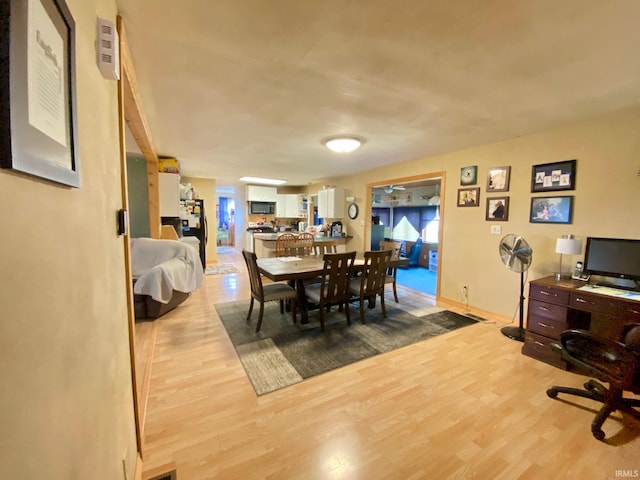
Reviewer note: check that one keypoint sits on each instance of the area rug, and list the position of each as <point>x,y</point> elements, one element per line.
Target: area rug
<point>284,353</point>
<point>221,269</point>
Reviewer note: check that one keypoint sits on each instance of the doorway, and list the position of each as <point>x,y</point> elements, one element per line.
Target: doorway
<point>410,211</point>
<point>226,224</point>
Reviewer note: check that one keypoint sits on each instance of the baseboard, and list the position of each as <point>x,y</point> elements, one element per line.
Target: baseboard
<point>138,473</point>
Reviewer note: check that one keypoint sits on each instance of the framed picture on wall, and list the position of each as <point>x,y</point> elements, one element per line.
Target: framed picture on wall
<point>550,177</point>
<point>469,175</point>
<point>469,197</point>
<point>498,179</point>
<point>551,210</point>
<point>38,91</point>
<point>497,209</point>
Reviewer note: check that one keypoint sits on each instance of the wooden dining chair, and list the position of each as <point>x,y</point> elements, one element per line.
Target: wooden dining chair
<point>333,288</point>
<point>304,244</point>
<point>371,283</point>
<point>322,247</point>
<point>267,293</point>
<point>392,272</point>
<point>285,244</point>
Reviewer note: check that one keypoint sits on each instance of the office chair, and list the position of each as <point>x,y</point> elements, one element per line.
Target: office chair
<point>617,363</point>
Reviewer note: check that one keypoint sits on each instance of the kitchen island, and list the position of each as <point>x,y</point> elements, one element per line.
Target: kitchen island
<point>265,243</point>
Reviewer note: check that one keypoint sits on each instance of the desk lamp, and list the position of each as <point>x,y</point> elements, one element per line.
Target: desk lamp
<point>567,245</point>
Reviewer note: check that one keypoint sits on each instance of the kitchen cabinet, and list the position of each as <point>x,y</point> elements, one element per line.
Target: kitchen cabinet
<point>288,206</point>
<point>331,203</point>
<point>169,194</point>
<point>258,193</point>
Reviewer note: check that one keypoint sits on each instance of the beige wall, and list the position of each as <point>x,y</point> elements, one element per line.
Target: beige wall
<point>607,150</point>
<point>206,190</point>
<point>66,407</point>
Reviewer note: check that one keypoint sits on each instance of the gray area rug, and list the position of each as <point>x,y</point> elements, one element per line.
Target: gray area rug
<point>283,353</point>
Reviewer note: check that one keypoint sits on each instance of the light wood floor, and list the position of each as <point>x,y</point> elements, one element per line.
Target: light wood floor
<point>464,405</point>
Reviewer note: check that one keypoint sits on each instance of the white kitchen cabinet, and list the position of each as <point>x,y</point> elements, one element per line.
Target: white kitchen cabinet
<point>169,194</point>
<point>287,206</point>
<point>331,203</point>
<point>258,193</point>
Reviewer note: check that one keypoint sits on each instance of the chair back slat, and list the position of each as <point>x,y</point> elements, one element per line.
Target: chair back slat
<point>304,244</point>
<point>285,245</point>
<point>329,246</point>
<point>376,264</point>
<point>251,260</point>
<point>395,248</point>
<point>338,269</point>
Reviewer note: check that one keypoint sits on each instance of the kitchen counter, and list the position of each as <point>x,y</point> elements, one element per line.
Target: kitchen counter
<point>265,243</point>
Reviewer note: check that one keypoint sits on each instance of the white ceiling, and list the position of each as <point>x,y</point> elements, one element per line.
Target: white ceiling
<point>251,87</point>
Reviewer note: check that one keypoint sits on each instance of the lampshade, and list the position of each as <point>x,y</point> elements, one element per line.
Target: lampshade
<point>568,245</point>
<point>343,144</point>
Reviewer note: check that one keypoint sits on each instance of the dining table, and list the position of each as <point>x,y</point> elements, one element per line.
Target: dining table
<point>295,270</point>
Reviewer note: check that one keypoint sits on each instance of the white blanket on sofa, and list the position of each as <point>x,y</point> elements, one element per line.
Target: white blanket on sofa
<point>161,266</point>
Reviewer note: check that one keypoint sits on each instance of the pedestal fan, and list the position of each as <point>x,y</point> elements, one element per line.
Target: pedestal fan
<point>516,254</point>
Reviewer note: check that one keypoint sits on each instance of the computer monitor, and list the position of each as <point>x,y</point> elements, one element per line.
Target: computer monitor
<point>616,258</point>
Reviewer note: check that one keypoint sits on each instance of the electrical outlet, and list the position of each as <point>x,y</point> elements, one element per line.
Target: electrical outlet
<point>496,229</point>
<point>362,223</point>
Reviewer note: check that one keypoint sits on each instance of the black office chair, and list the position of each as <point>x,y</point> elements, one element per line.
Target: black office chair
<point>617,363</point>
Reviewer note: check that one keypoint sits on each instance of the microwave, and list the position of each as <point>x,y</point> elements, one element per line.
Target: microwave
<point>262,208</point>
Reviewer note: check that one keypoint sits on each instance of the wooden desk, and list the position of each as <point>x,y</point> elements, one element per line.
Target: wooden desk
<point>555,306</point>
<point>296,271</point>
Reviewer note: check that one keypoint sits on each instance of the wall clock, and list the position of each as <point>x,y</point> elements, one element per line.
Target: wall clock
<point>353,211</point>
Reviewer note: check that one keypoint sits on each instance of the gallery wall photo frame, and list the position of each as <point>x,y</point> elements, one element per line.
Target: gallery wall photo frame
<point>498,179</point>
<point>469,197</point>
<point>469,175</point>
<point>38,126</point>
<point>497,209</point>
<point>557,209</point>
<point>552,177</point>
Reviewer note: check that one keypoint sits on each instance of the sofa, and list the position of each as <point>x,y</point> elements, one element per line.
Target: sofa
<point>165,272</point>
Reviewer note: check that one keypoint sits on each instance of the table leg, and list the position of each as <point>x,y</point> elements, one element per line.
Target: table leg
<point>302,306</point>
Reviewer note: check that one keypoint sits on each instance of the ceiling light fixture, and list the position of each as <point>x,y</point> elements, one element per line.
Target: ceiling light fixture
<point>343,144</point>
<point>265,181</point>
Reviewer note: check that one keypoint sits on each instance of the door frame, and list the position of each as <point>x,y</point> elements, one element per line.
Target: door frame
<point>442,175</point>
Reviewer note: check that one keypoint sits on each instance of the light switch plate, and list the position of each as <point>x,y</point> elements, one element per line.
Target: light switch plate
<point>496,229</point>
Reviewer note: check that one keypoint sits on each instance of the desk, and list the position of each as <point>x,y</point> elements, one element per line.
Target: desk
<point>285,269</point>
<point>555,306</point>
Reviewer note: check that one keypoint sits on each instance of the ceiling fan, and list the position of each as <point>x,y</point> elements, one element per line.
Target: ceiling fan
<point>516,254</point>
<point>391,188</point>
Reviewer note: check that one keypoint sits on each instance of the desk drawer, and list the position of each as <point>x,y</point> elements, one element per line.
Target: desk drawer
<point>546,326</point>
<point>595,303</point>
<point>547,310</point>
<point>538,347</point>
<point>549,294</point>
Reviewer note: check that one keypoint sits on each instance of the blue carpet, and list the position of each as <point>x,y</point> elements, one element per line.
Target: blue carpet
<point>417,278</point>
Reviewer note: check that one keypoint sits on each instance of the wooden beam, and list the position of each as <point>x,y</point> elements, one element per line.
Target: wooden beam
<point>136,120</point>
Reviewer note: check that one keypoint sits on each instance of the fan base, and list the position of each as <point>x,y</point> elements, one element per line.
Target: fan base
<point>514,333</point>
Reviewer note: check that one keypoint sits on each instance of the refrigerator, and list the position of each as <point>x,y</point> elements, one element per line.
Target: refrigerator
<point>194,224</point>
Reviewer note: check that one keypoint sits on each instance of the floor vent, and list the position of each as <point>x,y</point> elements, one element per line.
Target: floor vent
<point>172,475</point>
<point>476,317</point>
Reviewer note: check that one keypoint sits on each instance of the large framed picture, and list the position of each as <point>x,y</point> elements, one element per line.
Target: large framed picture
<point>498,179</point>
<point>497,209</point>
<point>550,177</point>
<point>469,197</point>
<point>551,209</point>
<point>38,131</point>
